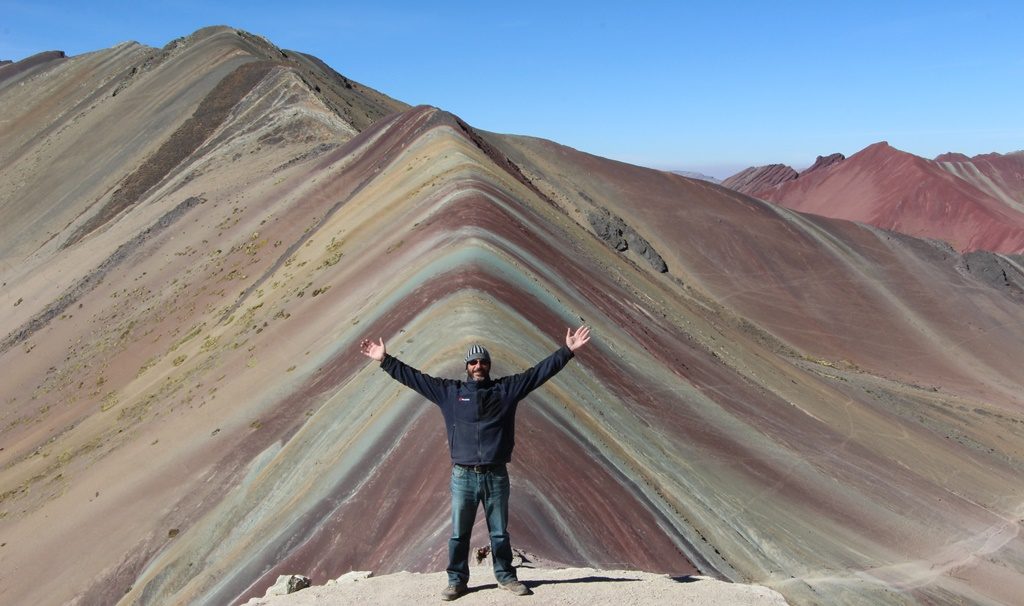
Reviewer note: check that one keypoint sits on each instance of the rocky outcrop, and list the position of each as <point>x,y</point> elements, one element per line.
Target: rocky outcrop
<point>288,583</point>
<point>1002,272</point>
<point>620,236</point>
<point>823,162</point>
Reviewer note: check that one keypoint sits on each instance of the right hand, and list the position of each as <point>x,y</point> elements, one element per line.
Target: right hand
<point>373,350</point>
<point>576,340</point>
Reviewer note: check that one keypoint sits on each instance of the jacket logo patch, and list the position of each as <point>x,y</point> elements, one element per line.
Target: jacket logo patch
<point>464,400</point>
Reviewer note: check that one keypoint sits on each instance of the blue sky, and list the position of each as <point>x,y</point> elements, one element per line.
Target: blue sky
<point>711,87</point>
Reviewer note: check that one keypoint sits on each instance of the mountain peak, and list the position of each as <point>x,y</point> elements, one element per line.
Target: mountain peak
<point>822,162</point>
<point>881,149</point>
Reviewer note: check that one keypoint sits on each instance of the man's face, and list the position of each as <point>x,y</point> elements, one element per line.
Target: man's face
<point>478,370</point>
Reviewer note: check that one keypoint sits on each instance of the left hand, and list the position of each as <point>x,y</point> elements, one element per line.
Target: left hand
<point>577,339</point>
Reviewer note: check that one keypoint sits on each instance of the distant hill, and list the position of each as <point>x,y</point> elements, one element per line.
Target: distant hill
<point>972,203</point>
<point>695,175</point>
<point>756,179</point>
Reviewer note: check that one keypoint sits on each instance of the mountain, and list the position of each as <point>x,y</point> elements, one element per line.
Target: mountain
<point>999,175</point>
<point>195,239</point>
<point>695,175</point>
<point>756,179</point>
<point>974,204</point>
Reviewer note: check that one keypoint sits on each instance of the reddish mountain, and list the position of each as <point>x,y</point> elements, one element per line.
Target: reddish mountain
<point>756,179</point>
<point>761,181</point>
<point>999,175</point>
<point>975,204</point>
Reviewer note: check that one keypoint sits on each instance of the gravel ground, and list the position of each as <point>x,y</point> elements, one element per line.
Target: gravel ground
<point>568,586</point>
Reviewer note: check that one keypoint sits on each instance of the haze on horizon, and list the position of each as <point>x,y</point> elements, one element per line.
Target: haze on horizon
<point>712,89</point>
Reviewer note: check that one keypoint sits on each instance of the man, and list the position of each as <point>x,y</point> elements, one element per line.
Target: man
<point>479,415</point>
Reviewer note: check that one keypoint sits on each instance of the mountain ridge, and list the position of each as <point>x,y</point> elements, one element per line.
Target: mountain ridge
<point>974,204</point>
<point>786,405</point>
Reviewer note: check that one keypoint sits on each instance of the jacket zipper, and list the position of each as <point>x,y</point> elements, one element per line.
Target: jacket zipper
<point>479,446</point>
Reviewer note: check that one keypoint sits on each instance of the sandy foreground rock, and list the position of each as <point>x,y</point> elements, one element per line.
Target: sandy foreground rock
<point>583,586</point>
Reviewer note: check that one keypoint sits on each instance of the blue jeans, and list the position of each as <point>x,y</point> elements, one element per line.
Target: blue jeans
<point>469,489</point>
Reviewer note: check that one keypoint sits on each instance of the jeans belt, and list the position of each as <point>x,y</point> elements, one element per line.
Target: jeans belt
<point>478,468</point>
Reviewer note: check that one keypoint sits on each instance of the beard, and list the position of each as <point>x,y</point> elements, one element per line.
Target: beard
<point>483,376</point>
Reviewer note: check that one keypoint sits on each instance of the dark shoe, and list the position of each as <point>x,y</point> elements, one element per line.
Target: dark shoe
<point>516,587</point>
<point>453,592</point>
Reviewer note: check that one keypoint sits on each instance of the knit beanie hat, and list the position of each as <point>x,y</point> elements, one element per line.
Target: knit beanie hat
<point>477,352</point>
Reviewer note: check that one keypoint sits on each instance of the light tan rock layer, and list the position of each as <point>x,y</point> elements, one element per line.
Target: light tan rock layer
<point>564,586</point>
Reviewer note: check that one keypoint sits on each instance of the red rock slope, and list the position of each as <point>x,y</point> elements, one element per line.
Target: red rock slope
<point>1000,175</point>
<point>972,204</point>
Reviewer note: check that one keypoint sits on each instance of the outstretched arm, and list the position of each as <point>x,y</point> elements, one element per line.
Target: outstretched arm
<point>373,350</point>
<point>528,380</point>
<point>429,387</point>
<point>577,339</point>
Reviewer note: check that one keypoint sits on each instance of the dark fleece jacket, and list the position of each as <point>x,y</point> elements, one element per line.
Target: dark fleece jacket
<point>480,416</point>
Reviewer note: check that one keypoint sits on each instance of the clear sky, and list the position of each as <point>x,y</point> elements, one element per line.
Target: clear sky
<point>706,86</point>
